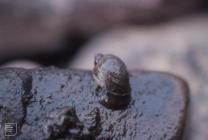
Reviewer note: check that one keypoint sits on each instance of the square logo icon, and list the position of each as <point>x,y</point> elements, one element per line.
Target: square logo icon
<point>10,129</point>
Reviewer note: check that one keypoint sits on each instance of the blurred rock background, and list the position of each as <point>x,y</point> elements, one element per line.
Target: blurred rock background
<point>162,35</point>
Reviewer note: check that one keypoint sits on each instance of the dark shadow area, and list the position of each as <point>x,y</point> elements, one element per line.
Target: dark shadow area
<point>59,58</point>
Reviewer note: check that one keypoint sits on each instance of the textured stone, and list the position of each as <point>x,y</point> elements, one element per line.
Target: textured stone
<point>157,110</point>
<point>177,47</point>
<point>14,97</point>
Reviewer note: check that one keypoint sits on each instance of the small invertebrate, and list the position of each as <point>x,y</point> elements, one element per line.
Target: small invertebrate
<point>111,75</point>
<point>64,122</point>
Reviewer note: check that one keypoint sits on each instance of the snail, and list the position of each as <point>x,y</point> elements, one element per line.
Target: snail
<point>64,122</point>
<point>111,76</point>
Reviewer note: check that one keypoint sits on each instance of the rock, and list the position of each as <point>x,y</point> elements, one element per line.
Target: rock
<point>21,64</point>
<point>177,47</point>
<point>63,122</point>
<point>132,42</point>
<point>51,96</point>
<point>14,98</point>
<point>29,27</point>
<point>91,16</point>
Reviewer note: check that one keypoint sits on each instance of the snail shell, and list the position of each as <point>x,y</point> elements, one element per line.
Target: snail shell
<point>111,75</point>
<point>59,121</point>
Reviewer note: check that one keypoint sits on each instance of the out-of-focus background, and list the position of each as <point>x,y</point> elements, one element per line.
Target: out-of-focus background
<point>162,35</point>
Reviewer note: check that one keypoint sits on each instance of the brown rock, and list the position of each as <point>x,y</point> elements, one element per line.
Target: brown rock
<point>39,26</point>
<point>92,16</point>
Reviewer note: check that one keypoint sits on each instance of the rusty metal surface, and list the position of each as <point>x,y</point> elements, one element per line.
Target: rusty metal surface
<point>156,112</point>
